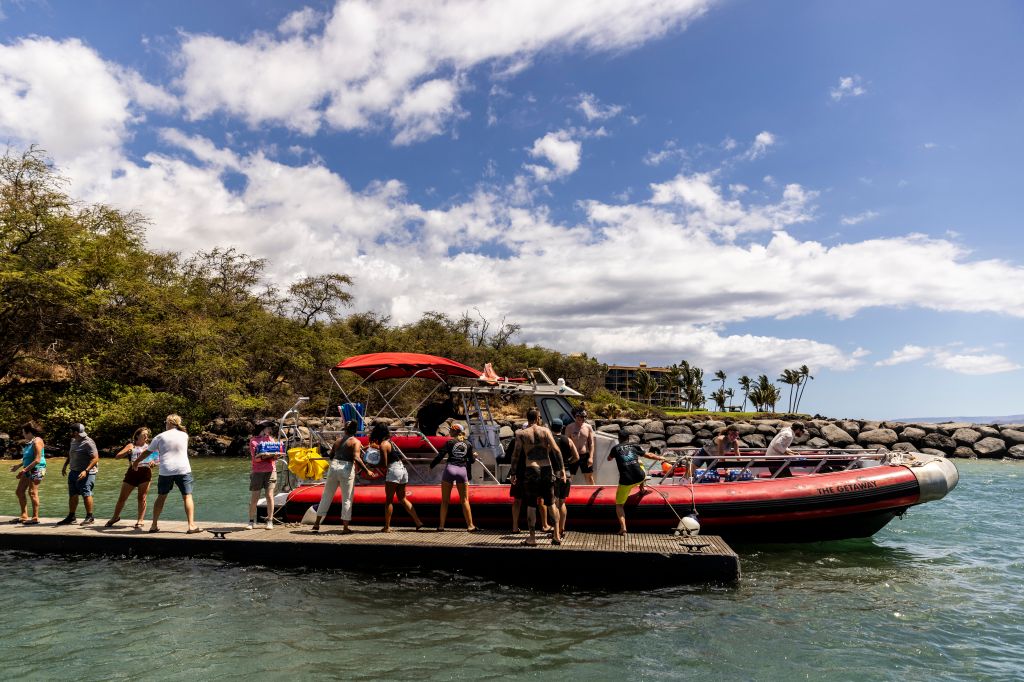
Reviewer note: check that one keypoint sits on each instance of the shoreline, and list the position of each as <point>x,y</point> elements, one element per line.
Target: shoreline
<point>955,440</point>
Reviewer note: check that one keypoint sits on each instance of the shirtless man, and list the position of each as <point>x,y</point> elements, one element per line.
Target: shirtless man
<point>582,435</point>
<point>537,447</point>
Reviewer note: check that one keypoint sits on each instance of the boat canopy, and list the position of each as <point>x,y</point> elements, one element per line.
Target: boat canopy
<point>405,366</point>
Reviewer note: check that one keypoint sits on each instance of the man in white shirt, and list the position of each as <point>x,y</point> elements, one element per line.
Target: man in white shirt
<point>784,438</point>
<point>175,470</point>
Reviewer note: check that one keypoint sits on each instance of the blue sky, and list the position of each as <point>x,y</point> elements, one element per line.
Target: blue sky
<point>748,186</point>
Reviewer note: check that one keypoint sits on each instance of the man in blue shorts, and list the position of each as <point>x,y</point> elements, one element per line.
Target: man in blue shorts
<point>83,459</point>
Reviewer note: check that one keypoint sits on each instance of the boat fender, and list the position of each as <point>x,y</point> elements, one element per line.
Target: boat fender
<point>309,518</point>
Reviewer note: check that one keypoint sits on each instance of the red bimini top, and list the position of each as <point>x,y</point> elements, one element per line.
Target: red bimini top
<point>406,365</point>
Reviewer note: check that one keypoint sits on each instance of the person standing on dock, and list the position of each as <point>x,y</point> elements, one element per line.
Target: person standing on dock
<point>459,452</point>
<point>171,447</point>
<point>631,473</point>
<point>397,476</point>
<point>83,460</point>
<point>30,471</point>
<point>135,478</point>
<point>264,450</point>
<point>563,483</point>
<point>346,454</point>
<point>537,447</point>
<point>583,437</point>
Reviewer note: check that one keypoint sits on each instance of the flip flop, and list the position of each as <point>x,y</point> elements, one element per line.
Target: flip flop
<point>17,521</point>
<point>111,522</point>
<point>30,522</point>
<point>472,530</point>
<point>527,543</point>
<point>193,531</point>
<point>137,526</point>
<point>555,541</point>
<point>153,530</point>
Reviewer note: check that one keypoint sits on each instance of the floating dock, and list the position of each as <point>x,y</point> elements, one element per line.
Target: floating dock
<point>582,560</point>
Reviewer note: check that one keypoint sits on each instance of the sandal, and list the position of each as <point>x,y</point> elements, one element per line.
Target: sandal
<point>30,522</point>
<point>111,522</point>
<point>555,541</point>
<point>193,531</point>
<point>18,520</point>
<point>472,530</point>
<point>137,526</point>
<point>530,543</point>
<point>154,529</point>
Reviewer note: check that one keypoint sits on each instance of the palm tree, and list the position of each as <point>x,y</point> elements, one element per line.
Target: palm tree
<point>745,385</point>
<point>719,398</point>
<point>791,377</point>
<point>720,376</point>
<point>730,394</point>
<point>766,392</point>
<point>645,384</point>
<point>805,376</point>
<point>672,383</point>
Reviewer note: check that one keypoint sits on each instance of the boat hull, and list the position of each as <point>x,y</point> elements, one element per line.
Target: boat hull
<point>809,508</point>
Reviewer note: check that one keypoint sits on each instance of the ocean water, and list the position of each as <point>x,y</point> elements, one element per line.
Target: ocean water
<point>933,596</point>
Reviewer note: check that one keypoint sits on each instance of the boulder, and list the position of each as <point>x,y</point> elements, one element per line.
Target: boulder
<point>744,428</point>
<point>1012,436</point>
<point>609,428</point>
<point>1017,452</point>
<point>932,451</point>
<point>877,437</point>
<point>766,430</point>
<point>673,429</point>
<point>939,441</point>
<point>755,440</point>
<point>650,437</point>
<point>990,447</point>
<point>836,436</point>
<point>987,431</point>
<point>714,425</point>
<point>966,436</point>
<point>870,425</point>
<point>817,443</point>
<point>634,440</point>
<point>677,440</point>
<point>634,430</point>
<point>654,427</point>
<point>660,444</point>
<point>850,426</point>
<point>964,451</point>
<point>704,434</point>
<point>912,434</point>
<point>506,432</point>
<point>903,447</point>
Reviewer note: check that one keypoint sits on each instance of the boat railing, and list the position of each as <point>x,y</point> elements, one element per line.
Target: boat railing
<point>819,460</point>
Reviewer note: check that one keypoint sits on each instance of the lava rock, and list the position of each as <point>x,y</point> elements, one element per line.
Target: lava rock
<point>990,447</point>
<point>877,437</point>
<point>836,436</point>
<point>966,436</point>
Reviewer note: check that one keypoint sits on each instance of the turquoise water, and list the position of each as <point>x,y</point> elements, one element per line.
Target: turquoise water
<point>936,595</point>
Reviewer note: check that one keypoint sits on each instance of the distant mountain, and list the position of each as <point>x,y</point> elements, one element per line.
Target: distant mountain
<point>1010,419</point>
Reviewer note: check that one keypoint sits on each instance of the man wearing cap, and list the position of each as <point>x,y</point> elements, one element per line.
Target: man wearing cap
<point>83,460</point>
<point>582,435</point>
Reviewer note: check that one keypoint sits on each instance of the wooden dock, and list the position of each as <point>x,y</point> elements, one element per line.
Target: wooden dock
<point>583,560</point>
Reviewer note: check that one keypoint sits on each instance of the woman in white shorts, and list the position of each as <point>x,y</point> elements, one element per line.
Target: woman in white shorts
<point>397,475</point>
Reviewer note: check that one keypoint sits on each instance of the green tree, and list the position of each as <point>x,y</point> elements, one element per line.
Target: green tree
<point>646,385</point>
<point>745,384</point>
<point>805,376</point>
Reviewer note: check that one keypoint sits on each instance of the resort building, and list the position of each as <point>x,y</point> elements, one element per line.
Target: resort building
<point>621,380</point>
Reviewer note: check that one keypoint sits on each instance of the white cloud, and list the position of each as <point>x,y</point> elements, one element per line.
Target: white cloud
<point>962,361</point>
<point>975,364</point>
<point>65,97</point>
<point>360,69</point>
<point>728,144</point>
<point>908,353</point>
<point>671,151</point>
<point>858,218</point>
<point>593,110</point>
<point>558,149</point>
<point>849,86</point>
<point>762,142</point>
<point>929,145</point>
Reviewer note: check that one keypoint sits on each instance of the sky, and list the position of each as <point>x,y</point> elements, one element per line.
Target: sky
<point>748,186</point>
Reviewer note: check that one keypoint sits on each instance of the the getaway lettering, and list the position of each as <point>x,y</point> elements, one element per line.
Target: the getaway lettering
<point>847,488</point>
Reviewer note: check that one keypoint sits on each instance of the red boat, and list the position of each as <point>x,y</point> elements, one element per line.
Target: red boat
<point>818,495</point>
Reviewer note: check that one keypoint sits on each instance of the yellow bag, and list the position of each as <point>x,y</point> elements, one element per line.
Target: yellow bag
<point>306,463</point>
